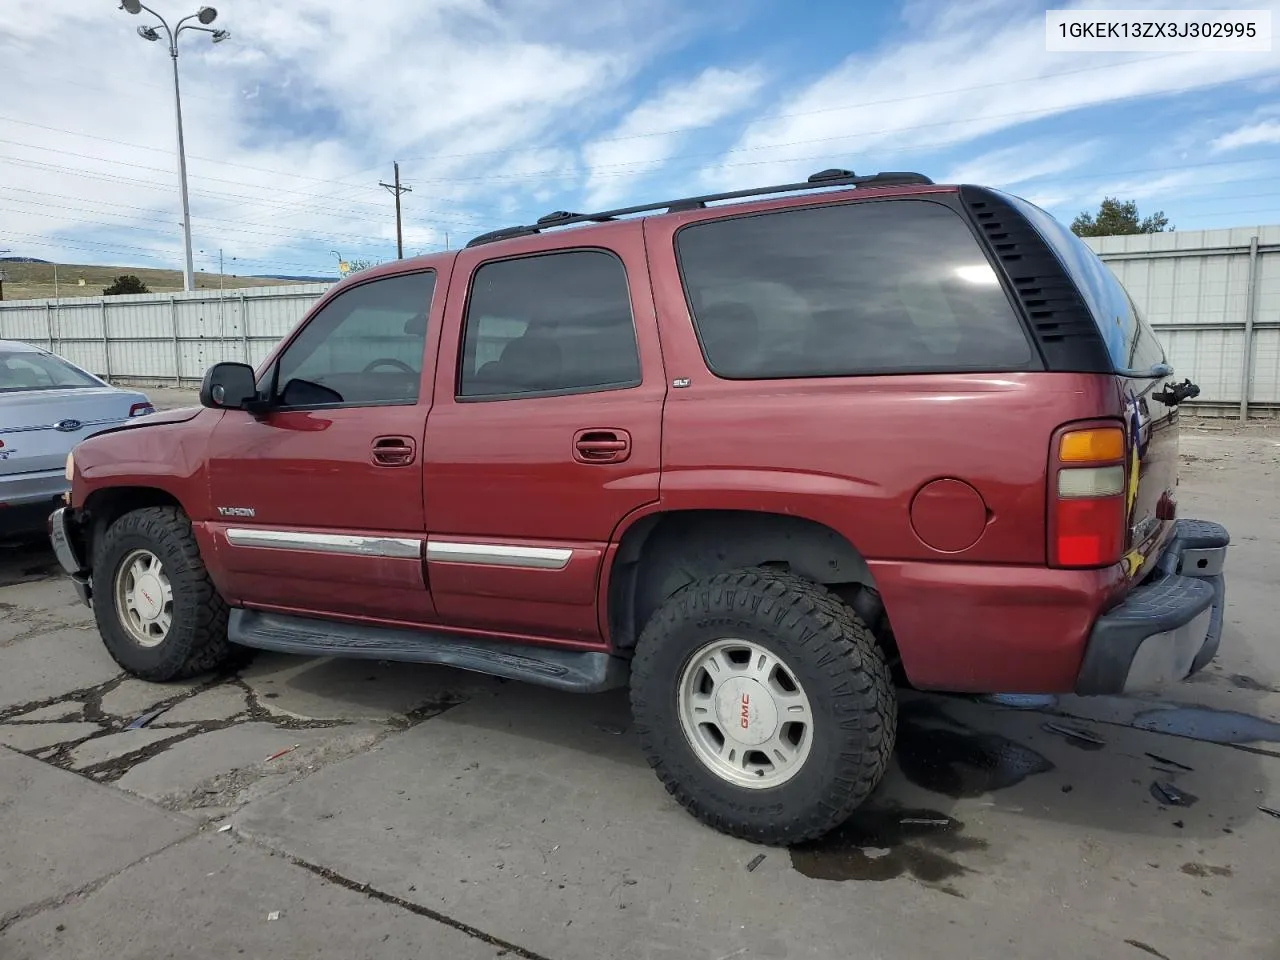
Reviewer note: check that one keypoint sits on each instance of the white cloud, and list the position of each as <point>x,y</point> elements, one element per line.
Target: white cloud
<point>290,124</point>
<point>1251,135</point>
<point>963,72</point>
<point>652,132</point>
<point>497,110</point>
<point>1028,161</point>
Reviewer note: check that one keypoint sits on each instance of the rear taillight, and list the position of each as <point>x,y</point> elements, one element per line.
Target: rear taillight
<point>1087,497</point>
<point>141,410</point>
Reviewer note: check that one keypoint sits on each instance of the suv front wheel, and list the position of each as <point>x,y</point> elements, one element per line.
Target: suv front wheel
<point>158,612</point>
<point>764,704</point>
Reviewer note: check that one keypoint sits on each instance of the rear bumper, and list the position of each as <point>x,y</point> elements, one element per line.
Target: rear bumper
<point>1168,627</point>
<point>27,498</point>
<point>26,519</point>
<point>64,548</point>
<point>39,487</point>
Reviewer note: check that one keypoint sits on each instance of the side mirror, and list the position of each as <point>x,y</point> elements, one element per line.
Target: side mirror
<point>228,386</point>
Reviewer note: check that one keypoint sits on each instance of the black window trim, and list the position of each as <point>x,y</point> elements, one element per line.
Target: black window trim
<point>1034,363</point>
<point>562,391</point>
<point>272,373</point>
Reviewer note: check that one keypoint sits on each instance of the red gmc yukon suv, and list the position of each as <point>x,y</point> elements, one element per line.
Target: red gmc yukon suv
<point>761,457</point>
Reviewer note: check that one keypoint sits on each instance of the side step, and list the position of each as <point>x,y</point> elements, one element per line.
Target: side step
<point>574,670</point>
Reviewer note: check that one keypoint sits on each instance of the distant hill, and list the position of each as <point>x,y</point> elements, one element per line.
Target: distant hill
<point>29,279</point>
<point>21,260</point>
<point>268,276</point>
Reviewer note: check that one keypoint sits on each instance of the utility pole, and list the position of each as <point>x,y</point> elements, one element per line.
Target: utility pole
<point>396,189</point>
<point>3,278</point>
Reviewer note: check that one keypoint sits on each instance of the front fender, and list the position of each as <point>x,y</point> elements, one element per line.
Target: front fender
<point>164,451</point>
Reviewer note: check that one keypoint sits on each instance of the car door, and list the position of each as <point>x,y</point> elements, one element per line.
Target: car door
<point>317,504</point>
<point>545,431</point>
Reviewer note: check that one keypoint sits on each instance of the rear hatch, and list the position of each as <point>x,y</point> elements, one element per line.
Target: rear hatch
<point>1153,468</point>
<point>1142,375</point>
<point>38,428</point>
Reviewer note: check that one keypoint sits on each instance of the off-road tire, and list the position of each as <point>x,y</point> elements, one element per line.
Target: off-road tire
<point>197,639</point>
<point>838,663</point>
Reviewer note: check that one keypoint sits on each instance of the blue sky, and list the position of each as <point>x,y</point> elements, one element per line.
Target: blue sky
<point>502,110</point>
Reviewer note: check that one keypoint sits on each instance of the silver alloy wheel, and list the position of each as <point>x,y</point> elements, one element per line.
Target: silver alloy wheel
<point>744,713</point>
<point>144,598</point>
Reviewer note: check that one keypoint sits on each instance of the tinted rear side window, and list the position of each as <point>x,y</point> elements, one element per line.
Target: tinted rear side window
<point>896,286</point>
<point>1130,340</point>
<point>555,323</point>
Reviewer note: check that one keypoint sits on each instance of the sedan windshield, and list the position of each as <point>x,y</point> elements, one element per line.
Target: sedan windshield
<point>28,370</point>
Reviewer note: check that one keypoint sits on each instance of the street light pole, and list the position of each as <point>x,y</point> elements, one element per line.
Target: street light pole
<point>205,15</point>
<point>188,277</point>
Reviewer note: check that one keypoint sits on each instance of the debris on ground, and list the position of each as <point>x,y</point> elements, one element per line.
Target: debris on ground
<point>755,862</point>
<point>1169,763</point>
<point>224,828</point>
<point>1078,734</point>
<point>273,915</point>
<point>612,729</point>
<point>925,822</point>
<point>280,753</point>
<point>139,722</point>
<point>1169,795</point>
<point>1270,810</point>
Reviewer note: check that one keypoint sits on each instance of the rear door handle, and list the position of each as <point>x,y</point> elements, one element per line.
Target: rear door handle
<point>393,451</point>
<point>601,445</point>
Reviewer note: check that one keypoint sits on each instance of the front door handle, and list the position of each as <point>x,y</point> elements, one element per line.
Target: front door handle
<point>393,451</point>
<point>601,445</point>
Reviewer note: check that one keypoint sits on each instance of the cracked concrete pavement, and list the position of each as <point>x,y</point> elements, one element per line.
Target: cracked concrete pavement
<point>321,808</point>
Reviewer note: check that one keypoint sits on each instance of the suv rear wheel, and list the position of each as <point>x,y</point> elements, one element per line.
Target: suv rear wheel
<point>158,612</point>
<point>764,704</point>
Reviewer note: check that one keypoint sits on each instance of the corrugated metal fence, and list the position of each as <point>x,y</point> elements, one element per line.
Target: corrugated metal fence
<point>1213,296</point>
<point>160,338</point>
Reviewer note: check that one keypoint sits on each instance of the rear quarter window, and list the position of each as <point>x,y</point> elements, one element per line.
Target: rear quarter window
<point>873,287</point>
<point>1131,343</point>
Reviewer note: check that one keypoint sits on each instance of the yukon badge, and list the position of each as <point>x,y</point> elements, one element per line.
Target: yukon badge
<point>236,511</point>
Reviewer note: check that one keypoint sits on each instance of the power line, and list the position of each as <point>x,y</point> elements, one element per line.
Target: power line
<point>316,203</point>
<point>343,180</point>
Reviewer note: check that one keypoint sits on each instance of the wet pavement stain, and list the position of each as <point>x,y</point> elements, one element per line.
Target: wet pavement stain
<point>1242,681</point>
<point>1207,724</point>
<point>1021,701</point>
<point>1146,948</point>
<point>1205,870</point>
<point>1077,737</point>
<point>942,755</point>
<point>885,844</point>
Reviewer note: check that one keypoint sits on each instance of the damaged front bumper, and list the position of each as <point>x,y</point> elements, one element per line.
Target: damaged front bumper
<point>1169,626</point>
<point>68,554</point>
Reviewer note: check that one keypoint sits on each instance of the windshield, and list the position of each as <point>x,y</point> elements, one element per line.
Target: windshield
<point>29,370</point>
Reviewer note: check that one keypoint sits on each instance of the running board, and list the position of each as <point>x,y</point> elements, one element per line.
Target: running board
<point>577,671</point>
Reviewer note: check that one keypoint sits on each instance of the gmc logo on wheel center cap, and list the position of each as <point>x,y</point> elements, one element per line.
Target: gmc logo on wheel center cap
<point>746,711</point>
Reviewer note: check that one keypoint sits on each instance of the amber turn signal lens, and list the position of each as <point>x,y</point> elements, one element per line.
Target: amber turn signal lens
<point>1092,446</point>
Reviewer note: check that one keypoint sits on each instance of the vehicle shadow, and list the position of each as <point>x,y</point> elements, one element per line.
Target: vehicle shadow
<point>26,559</point>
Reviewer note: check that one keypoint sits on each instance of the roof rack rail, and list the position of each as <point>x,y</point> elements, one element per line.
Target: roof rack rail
<point>833,177</point>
